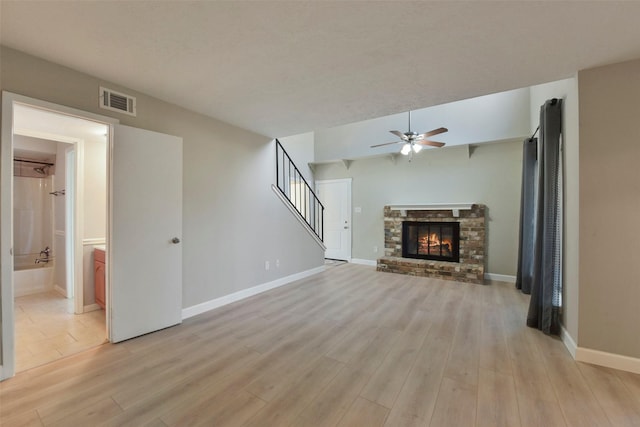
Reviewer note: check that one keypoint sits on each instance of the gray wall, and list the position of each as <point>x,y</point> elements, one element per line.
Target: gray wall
<point>233,222</point>
<point>609,205</point>
<point>490,175</point>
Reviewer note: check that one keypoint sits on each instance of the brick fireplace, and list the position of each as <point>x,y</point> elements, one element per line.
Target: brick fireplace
<point>468,219</point>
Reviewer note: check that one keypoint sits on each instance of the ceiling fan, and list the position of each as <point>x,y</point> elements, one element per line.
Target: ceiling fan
<point>413,141</point>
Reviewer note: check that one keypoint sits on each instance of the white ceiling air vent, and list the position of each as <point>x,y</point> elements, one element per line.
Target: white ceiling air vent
<point>116,101</point>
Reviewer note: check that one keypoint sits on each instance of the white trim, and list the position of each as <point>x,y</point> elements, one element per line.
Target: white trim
<point>58,108</point>
<point>609,360</point>
<point>500,277</point>
<point>74,204</point>
<point>568,341</point>
<point>361,261</point>
<point>108,264</point>
<point>432,207</point>
<point>91,307</point>
<point>194,310</point>
<point>7,359</point>
<point>70,229</point>
<point>94,241</point>
<point>297,216</point>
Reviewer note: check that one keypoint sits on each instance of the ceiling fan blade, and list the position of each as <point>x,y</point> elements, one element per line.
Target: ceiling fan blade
<point>399,134</point>
<point>431,143</point>
<point>386,143</point>
<point>435,132</point>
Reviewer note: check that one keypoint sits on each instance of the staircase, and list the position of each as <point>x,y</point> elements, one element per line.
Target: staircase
<point>292,186</point>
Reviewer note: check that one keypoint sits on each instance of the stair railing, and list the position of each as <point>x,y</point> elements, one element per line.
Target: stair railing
<point>298,192</point>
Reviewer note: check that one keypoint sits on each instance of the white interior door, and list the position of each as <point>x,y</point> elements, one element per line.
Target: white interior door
<point>145,254</point>
<point>335,196</point>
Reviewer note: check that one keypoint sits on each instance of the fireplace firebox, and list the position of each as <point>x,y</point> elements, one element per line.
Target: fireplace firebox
<point>439,241</point>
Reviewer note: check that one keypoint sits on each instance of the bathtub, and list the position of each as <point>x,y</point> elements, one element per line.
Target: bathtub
<point>29,277</point>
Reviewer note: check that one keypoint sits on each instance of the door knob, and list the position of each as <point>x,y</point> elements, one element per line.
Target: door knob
<point>175,240</point>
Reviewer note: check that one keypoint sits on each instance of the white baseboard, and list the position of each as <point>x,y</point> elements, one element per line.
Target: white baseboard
<point>609,360</point>
<point>597,357</point>
<point>568,341</point>
<point>90,307</point>
<point>194,310</point>
<point>500,277</point>
<point>360,261</point>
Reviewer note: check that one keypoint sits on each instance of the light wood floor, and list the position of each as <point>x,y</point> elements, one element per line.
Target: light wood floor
<point>46,329</point>
<point>347,347</point>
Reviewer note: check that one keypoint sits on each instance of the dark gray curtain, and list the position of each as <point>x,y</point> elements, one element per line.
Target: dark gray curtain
<point>540,258</point>
<point>524,277</point>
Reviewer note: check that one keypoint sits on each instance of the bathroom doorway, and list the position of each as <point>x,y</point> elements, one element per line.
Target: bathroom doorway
<point>142,270</point>
<point>59,219</point>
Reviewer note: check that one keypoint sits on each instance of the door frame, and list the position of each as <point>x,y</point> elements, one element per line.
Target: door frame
<point>70,153</point>
<point>9,99</point>
<point>347,181</point>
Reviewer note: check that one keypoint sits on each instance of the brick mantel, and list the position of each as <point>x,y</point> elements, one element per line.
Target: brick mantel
<point>472,241</point>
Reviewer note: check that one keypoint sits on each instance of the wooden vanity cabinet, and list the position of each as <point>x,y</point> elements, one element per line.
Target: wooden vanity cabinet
<point>99,276</point>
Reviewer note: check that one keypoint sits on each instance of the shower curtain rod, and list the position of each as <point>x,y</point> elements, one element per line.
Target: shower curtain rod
<point>33,161</point>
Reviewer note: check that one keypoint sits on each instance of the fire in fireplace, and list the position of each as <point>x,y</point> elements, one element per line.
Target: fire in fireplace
<point>438,241</point>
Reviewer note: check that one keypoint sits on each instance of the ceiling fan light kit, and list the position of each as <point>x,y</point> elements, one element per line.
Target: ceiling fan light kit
<point>414,142</point>
<point>408,147</point>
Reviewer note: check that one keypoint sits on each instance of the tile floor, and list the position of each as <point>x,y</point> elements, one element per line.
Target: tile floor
<point>46,329</point>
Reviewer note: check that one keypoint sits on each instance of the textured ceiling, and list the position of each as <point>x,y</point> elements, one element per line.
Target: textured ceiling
<point>282,68</point>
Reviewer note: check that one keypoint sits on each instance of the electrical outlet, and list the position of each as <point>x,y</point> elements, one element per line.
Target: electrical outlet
<point>277,263</point>
<point>266,265</point>
<point>375,249</point>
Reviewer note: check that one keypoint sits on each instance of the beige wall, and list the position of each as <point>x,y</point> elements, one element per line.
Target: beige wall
<point>490,175</point>
<point>609,207</point>
<point>233,222</point>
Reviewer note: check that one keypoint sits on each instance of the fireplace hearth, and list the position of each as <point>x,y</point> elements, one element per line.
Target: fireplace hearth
<point>438,241</point>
